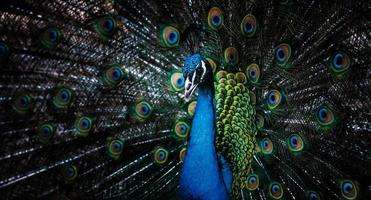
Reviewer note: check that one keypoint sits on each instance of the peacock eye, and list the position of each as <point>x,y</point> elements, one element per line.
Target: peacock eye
<point>106,26</point>
<point>170,36</point>
<point>253,73</point>
<point>248,25</point>
<point>22,104</point>
<point>340,61</point>
<point>181,130</point>
<point>160,155</point>
<point>313,196</point>
<point>252,182</point>
<point>215,18</point>
<point>45,132</point>
<point>326,117</point>
<point>70,172</point>
<point>275,190</point>
<point>176,81</point>
<point>83,125</point>
<point>231,55</point>
<point>295,143</point>
<point>50,37</point>
<point>115,148</point>
<point>282,54</point>
<point>349,190</point>
<point>62,97</point>
<point>142,110</point>
<point>266,145</point>
<point>339,64</point>
<point>113,75</point>
<point>274,99</point>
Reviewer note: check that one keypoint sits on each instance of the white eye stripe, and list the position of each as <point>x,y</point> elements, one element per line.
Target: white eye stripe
<point>187,82</point>
<point>204,68</point>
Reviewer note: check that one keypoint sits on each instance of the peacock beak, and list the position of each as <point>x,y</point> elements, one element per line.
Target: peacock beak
<point>193,80</point>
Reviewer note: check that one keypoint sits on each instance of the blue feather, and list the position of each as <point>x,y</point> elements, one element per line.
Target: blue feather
<point>201,177</point>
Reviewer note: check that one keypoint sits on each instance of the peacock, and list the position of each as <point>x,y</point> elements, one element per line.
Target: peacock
<point>175,99</point>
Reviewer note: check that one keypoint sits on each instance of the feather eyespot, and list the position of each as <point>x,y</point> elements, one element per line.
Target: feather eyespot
<point>170,36</point>
<point>113,75</point>
<point>231,55</point>
<point>62,97</point>
<point>181,130</point>
<point>70,172</point>
<point>160,155</point>
<point>45,132</point>
<point>266,146</point>
<point>106,26</point>
<point>22,104</point>
<point>215,18</point>
<point>312,195</point>
<point>115,148</point>
<point>252,182</point>
<point>340,61</point>
<point>176,81</point>
<point>253,73</point>
<point>248,25</point>
<point>282,54</point>
<point>340,64</point>
<point>349,190</point>
<point>275,190</point>
<point>326,117</point>
<point>295,143</point>
<point>83,125</point>
<point>274,98</point>
<point>51,37</point>
<point>142,110</point>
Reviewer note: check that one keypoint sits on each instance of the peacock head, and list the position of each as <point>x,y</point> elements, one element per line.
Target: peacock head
<point>194,72</point>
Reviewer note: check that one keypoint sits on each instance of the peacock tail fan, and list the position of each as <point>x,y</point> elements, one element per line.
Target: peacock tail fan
<point>91,97</point>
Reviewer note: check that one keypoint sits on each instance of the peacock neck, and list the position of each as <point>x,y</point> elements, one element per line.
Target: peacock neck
<point>203,125</point>
<point>201,177</point>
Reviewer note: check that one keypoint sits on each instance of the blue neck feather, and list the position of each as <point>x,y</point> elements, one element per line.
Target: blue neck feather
<point>201,177</point>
